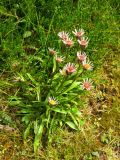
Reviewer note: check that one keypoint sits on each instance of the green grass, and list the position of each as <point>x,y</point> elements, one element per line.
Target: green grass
<point>20,50</point>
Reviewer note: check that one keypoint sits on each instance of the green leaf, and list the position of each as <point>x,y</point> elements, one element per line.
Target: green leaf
<point>38,136</point>
<point>81,122</point>
<point>74,85</point>
<point>54,64</point>
<point>73,118</point>
<point>27,34</point>
<point>57,75</point>
<point>37,89</point>
<point>48,117</point>
<point>26,118</point>
<point>71,125</point>
<point>31,78</point>
<point>4,84</point>
<point>80,71</point>
<point>14,100</point>
<point>35,126</point>
<point>25,111</point>
<point>21,77</point>
<point>61,123</point>
<point>76,111</point>
<point>74,102</point>
<point>15,103</point>
<point>27,131</point>
<point>67,82</point>
<point>59,110</point>
<point>2,9</point>
<point>38,58</point>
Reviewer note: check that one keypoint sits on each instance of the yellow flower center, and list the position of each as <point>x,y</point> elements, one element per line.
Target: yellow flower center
<point>87,66</point>
<point>52,102</point>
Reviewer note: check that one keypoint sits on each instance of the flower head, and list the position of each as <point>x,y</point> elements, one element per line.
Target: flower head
<point>63,35</point>
<point>87,65</point>
<point>70,68</point>
<point>59,59</point>
<point>52,101</point>
<point>83,42</point>
<point>87,84</point>
<point>52,51</point>
<point>68,42</point>
<point>81,56</point>
<point>78,33</point>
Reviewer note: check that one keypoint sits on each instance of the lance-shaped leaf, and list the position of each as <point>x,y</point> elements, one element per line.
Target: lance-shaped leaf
<point>71,125</point>
<point>54,64</point>
<point>73,118</point>
<point>75,111</point>
<point>73,85</point>
<point>59,110</point>
<point>38,136</point>
<point>32,79</point>
<point>27,131</point>
<point>68,82</point>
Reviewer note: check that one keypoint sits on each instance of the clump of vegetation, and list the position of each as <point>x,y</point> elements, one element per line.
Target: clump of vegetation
<point>52,98</point>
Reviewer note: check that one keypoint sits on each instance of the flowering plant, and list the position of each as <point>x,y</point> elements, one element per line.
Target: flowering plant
<point>52,99</point>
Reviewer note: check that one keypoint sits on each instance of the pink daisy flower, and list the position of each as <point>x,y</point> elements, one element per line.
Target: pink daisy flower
<point>87,84</point>
<point>83,42</point>
<point>59,59</point>
<point>81,56</point>
<point>87,65</point>
<point>68,42</point>
<point>52,51</point>
<point>63,35</point>
<point>70,68</point>
<point>78,33</point>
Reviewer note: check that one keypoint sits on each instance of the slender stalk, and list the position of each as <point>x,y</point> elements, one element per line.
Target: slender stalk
<point>75,78</point>
<point>50,26</point>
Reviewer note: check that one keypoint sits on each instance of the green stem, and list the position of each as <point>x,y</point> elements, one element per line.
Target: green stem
<point>63,81</point>
<point>50,26</point>
<point>73,79</point>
